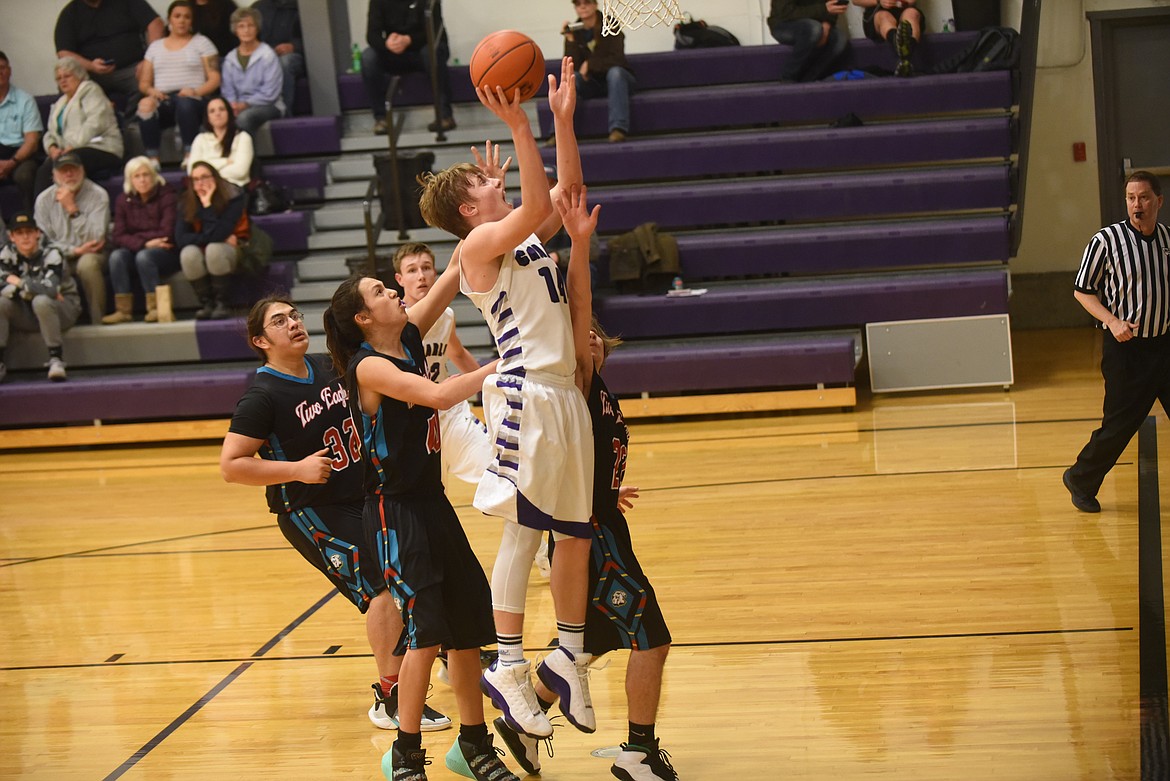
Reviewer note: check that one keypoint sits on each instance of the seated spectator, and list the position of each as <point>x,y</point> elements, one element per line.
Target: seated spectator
<point>213,20</point>
<point>899,23</point>
<point>179,72</point>
<point>280,28</point>
<point>810,28</point>
<point>82,121</point>
<point>601,65</point>
<point>252,76</point>
<point>36,293</point>
<point>211,224</point>
<point>108,39</point>
<point>20,136</point>
<point>74,214</point>
<point>143,240</point>
<point>223,145</point>
<point>397,33</point>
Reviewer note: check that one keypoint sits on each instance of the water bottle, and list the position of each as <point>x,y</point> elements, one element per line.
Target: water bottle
<point>677,284</point>
<point>357,59</point>
<point>949,26</point>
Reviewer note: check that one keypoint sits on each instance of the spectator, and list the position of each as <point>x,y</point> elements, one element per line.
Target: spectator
<point>280,28</point>
<point>223,145</point>
<point>20,135</point>
<point>810,28</point>
<point>211,224</point>
<point>108,38</point>
<point>397,33</point>
<point>143,239</point>
<point>897,22</point>
<point>82,121</point>
<point>601,65</point>
<point>252,76</point>
<point>74,214</point>
<point>36,293</point>
<point>179,71</point>
<point>213,20</point>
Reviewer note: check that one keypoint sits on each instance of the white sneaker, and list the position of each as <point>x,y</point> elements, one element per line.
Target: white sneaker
<point>57,370</point>
<point>522,747</point>
<point>509,687</point>
<point>384,712</point>
<point>637,763</point>
<point>568,676</point>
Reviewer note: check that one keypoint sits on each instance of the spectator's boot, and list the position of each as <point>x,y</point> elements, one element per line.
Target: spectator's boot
<point>219,294</point>
<point>123,310</point>
<point>160,298</point>
<point>202,288</point>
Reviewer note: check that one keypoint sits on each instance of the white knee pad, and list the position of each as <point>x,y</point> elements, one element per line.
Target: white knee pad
<point>513,565</point>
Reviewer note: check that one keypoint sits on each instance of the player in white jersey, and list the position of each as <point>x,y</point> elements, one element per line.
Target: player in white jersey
<point>466,449</point>
<point>540,477</point>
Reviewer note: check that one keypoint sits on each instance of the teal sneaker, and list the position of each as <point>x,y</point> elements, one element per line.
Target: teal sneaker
<point>481,762</point>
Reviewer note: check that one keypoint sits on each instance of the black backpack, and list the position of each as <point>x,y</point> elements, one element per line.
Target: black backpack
<point>692,34</point>
<point>996,48</point>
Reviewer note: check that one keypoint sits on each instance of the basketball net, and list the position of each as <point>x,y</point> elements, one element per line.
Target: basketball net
<point>632,14</point>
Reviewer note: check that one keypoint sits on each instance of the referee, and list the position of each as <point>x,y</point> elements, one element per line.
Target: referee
<point>1124,281</point>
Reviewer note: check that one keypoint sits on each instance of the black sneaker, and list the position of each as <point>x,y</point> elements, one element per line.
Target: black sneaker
<point>523,748</point>
<point>444,124</point>
<point>904,47</point>
<point>1080,500</point>
<point>409,765</point>
<point>638,763</point>
<point>481,762</point>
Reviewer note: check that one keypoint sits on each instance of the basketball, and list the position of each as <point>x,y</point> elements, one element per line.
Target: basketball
<point>508,59</point>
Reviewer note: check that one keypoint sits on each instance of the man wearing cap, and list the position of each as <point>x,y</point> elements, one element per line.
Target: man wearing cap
<point>20,135</point>
<point>36,292</point>
<point>74,214</point>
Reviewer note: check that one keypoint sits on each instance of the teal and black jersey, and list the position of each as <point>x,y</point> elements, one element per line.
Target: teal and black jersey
<point>400,441</point>
<point>297,417</point>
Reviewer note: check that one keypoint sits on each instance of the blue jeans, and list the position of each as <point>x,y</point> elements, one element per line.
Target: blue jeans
<point>808,61</point>
<point>293,66</point>
<point>251,118</point>
<point>153,263</point>
<point>377,64</point>
<point>618,85</point>
<point>187,113</point>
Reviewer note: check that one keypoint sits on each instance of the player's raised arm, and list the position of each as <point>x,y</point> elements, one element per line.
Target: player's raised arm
<point>562,99</point>
<point>580,223</point>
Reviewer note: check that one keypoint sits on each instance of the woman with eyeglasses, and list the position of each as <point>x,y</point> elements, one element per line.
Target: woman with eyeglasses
<point>296,418</point>
<point>211,224</point>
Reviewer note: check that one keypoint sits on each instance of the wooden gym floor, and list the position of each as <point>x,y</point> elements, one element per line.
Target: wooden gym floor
<point>901,591</point>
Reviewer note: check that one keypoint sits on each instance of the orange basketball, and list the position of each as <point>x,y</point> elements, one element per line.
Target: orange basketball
<point>508,59</point>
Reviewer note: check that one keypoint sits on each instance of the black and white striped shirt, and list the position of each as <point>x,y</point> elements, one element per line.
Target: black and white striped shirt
<point>1130,273</point>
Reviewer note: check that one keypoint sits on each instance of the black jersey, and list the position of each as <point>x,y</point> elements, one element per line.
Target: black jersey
<point>297,417</point>
<point>400,440</point>
<point>611,440</point>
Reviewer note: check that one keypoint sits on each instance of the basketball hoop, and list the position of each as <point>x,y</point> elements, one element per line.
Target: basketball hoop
<point>632,14</point>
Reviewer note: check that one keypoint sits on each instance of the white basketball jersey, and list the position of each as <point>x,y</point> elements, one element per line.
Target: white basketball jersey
<point>435,345</point>
<point>527,311</point>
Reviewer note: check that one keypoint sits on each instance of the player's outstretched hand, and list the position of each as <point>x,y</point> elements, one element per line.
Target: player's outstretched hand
<point>572,204</point>
<point>626,496</point>
<point>508,110</point>
<point>489,162</point>
<point>562,97</point>
<point>315,469</point>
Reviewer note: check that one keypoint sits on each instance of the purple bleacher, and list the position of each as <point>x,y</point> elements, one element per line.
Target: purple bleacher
<point>836,249</point>
<point>289,230</point>
<point>181,393</point>
<point>768,200</point>
<point>222,340</point>
<point>719,364</point>
<point>306,135</point>
<point>667,69</point>
<point>823,101</point>
<point>803,149</point>
<point>820,303</point>
<point>303,179</point>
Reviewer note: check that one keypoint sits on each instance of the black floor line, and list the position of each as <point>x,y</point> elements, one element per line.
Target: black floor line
<point>186,715</point>
<point>333,654</point>
<point>1155,729</point>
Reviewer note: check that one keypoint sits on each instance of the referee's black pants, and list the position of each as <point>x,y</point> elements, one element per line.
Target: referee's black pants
<point>1137,373</point>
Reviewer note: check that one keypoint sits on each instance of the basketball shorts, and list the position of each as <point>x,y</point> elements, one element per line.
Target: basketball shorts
<point>623,609</point>
<point>465,451</point>
<point>332,539</point>
<point>541,471</point>
<point>437,582</point>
